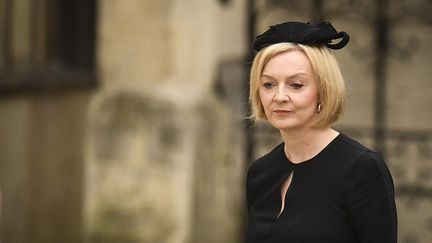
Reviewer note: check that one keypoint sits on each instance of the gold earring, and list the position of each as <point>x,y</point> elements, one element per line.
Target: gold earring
<point>319,108</point>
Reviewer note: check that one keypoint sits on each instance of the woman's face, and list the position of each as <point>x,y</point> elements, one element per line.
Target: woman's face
<point>289,91</point>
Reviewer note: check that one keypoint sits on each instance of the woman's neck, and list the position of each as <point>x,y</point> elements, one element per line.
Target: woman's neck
<point>304,144</point>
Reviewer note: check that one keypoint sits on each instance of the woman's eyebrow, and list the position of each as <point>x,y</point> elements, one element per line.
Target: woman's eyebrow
<point>289,77</point>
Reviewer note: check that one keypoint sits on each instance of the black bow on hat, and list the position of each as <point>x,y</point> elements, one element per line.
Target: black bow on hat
<point>302,33</point>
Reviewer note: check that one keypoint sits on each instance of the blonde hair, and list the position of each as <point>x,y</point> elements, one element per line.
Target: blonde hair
<point>331,85</point>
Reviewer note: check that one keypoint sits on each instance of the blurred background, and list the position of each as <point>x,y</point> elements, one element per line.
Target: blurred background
<point>124,121</point>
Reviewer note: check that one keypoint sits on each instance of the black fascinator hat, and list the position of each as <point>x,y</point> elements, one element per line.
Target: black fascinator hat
<point>302,33</point>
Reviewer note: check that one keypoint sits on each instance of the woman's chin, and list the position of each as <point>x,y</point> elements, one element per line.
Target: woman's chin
<point>283,125</point>
<point>289,124</point>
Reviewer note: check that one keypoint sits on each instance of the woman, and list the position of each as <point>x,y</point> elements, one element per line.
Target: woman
<point>318,185</point>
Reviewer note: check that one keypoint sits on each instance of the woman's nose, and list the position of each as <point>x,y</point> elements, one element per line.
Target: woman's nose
<point>281,95</point>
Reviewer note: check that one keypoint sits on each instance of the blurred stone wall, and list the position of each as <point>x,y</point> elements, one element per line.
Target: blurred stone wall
<point>154,154</point>
<point>41,167</point>
<point>163,153</point>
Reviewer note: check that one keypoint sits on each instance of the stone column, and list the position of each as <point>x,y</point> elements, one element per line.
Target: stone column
<point>162,160</point>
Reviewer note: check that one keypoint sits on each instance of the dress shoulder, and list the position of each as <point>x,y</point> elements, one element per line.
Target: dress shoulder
<point>365,162</point>
<point>266,160</point>
<point>370,197</point>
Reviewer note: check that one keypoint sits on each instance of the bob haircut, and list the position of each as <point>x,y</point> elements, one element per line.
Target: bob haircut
<point>331,85</point>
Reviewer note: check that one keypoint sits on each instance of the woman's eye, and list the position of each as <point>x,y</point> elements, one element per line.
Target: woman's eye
<point>268,85</point>
<point>296,85</point>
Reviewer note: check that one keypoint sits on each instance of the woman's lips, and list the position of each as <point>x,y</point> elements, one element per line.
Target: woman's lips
<point>282,112</point>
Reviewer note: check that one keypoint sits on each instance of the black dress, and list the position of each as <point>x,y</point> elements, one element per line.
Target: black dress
<point>344,194</point>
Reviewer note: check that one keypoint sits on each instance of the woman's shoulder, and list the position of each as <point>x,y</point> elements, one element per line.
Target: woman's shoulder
<point>268,160</point>
<point>351,144</point>
<point>354,149</point>
<point>365,162</point>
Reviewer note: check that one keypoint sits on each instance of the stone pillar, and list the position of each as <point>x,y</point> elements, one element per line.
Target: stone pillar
<point>139,170</point>
<point>162,160</point>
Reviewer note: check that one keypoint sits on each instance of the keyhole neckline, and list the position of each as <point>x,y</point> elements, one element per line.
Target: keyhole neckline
<point>313,158</point>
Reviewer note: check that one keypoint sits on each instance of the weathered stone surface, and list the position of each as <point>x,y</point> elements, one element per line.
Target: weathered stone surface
<point>139,171</point>
<point>160,173</point>
<point>162,151</point>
